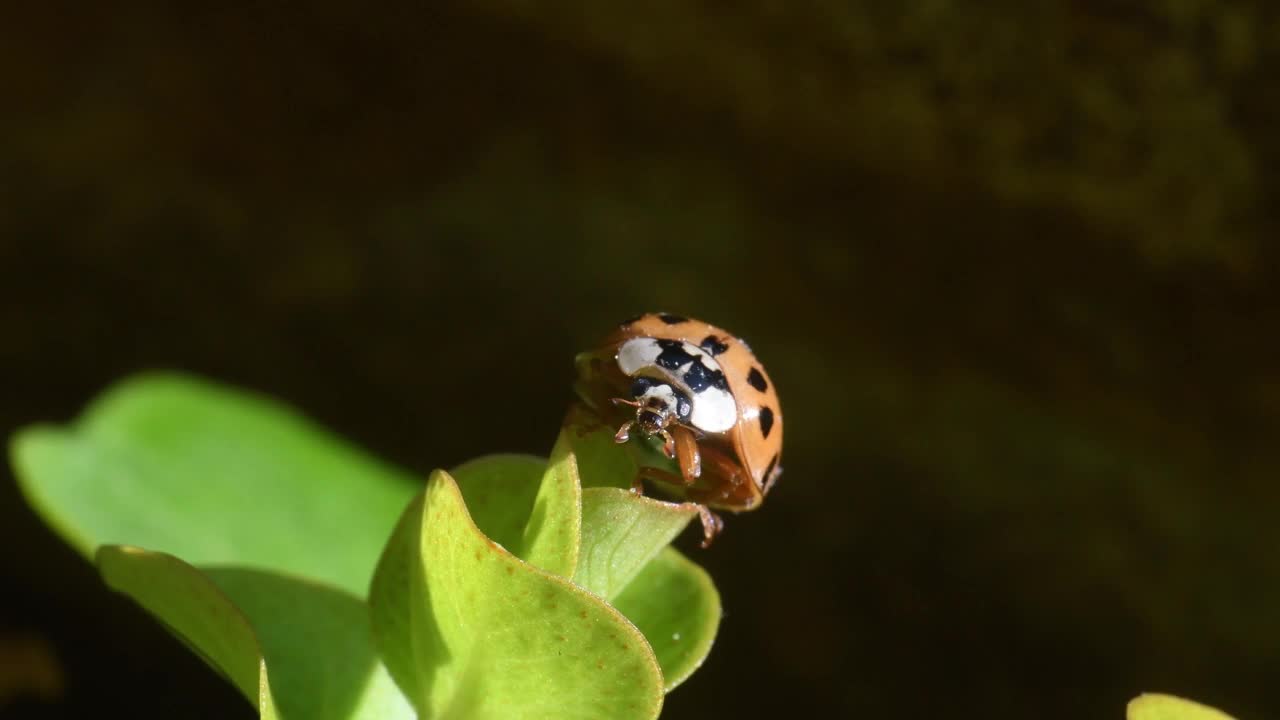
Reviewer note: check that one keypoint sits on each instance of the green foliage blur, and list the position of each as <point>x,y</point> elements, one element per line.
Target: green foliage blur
<point>1008,265</point>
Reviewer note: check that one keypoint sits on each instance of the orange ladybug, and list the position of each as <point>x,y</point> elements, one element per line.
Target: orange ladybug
<point>702,393</point>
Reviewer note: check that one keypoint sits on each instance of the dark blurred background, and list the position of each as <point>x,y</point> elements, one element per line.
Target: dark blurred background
<point>1012,267</point>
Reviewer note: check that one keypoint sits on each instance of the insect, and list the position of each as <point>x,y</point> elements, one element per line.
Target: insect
<point>699,391</point>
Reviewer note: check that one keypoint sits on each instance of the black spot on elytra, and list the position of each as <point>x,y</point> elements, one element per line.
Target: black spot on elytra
<point>756,379</point>
<point>713,345</point>
<point>766,420</point>
<point>768,472</point>
<point>671,319</point>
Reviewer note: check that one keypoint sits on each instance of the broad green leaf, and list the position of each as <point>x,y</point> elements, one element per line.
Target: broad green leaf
<point>212,475</point>
<point>1154,706</point>
<point>676,606</point>
<point>470,631</point>
<point>621,532</point>
<point>296,649</point>
<point>189,603</point>
<point>225,477</point>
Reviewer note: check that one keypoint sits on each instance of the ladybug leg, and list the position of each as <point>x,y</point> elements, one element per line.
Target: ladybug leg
<point>733,485</point>
<point>668,445</point>
<point>686,453</point>
<point>657,475</point>
<point>711,525</point>
<point>623,434</point>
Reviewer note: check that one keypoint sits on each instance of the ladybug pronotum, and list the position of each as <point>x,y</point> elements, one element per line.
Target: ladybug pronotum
<point>701,391</point>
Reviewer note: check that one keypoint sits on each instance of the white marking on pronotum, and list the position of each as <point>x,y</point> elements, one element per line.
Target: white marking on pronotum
<point>714,410</point>
<point>665,395</point>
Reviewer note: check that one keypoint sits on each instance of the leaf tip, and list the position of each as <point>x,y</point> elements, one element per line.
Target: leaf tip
<point>1161,706</point>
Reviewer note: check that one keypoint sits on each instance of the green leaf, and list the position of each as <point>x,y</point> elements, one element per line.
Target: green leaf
<point>227,478</point>
<point>601,461</point>
<point>529,506</point>
<point>1154,706</point>
<point>500,491</point>
<point>298,650</point>
<point>552,535</point>
<point>621,532</point>
<point>213,475</point>
<point>671,600</point>
<point>470,631</point>
<point>675,604</point>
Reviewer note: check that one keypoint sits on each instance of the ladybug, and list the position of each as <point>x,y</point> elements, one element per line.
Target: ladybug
<point>700,391</point>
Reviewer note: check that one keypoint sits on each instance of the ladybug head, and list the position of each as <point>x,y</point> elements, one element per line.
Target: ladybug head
<point>653,416</point>
<point>658,406</point>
